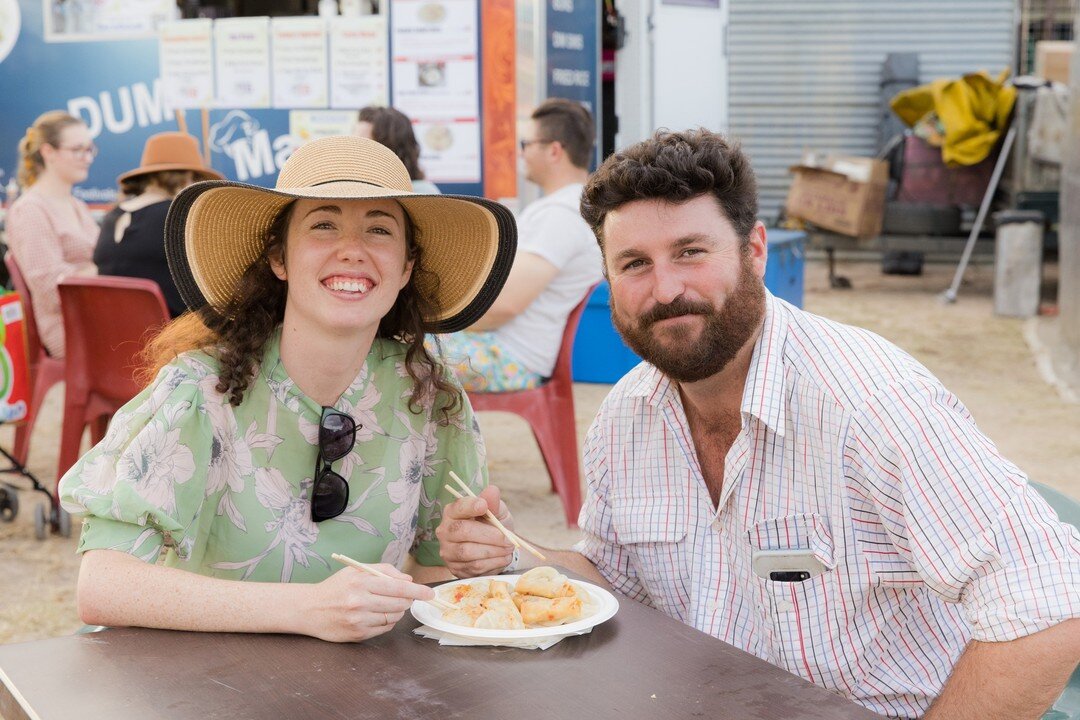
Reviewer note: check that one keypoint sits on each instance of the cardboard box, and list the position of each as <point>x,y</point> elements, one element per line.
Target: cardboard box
<point>838,193</point>
<point>1052,59</point>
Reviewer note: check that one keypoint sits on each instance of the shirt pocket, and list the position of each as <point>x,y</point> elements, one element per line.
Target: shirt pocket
<point>652,531</point>
<point>798,614</point>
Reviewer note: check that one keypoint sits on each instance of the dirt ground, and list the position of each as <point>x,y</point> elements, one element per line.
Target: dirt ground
<point>984,359</point>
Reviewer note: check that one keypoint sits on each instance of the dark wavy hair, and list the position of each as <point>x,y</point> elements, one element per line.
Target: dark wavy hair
<point>675,167</point>
<point>258,307</point>
<point>393,129</point>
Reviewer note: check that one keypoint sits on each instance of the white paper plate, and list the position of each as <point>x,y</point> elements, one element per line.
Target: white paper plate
<point>604,607</point>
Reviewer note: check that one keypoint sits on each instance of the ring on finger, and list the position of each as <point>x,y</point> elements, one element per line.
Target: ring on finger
<point>386,619</point>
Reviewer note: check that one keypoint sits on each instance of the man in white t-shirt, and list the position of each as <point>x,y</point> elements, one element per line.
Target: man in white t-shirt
<point>515,344</point>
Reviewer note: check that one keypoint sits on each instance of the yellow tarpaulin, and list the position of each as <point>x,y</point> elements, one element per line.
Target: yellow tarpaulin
<point>973,112</point>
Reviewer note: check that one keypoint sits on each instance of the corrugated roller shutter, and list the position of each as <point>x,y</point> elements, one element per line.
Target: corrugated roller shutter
<point>805,74</point>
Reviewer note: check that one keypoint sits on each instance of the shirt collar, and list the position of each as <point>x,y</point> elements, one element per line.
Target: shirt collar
<point>291,396</point>
<point>765,390</point>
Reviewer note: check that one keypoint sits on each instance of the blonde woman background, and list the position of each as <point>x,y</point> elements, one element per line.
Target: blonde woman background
<point>49,230</point>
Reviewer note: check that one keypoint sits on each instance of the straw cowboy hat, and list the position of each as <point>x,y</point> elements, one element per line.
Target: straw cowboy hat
<point>216,229</point>
<point>172,151</point>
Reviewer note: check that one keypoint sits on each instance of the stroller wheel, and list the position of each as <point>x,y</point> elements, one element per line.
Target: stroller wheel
<point>39,522</point>
<point>9,505</point>
<point>63,523</point>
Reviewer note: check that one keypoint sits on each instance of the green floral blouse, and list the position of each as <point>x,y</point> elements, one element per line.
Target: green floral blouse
<point>227,489</point>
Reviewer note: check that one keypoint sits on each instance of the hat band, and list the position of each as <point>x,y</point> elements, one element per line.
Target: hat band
<point>362,182</point>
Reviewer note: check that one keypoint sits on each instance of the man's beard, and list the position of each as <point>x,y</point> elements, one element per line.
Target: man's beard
<point>685,358</point>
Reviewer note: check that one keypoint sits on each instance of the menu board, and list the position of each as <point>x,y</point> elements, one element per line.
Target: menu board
<point>359,73</point>
<point>436,83</point>
<point>186,51</point>
<point>94,20</point>
<point>242,62</point>
<point>298,58</point>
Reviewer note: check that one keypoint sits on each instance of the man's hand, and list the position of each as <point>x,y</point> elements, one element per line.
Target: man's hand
<point>469,545</point>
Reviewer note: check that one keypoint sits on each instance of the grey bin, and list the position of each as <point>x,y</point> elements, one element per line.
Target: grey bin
<point>1018,262</point>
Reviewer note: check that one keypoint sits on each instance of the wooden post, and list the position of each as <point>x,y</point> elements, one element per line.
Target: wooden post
<point>1069,227</point>
<point>206,135</point>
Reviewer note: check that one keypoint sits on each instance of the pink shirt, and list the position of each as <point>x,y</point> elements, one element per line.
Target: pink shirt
<point>49,246</point>
<point>853,453</point>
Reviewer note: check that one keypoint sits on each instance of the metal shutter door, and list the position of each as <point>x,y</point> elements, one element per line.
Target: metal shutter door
<point>804,74</point>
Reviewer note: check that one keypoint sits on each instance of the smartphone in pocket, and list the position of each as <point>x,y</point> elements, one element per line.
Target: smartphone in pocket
<point>786,565</point>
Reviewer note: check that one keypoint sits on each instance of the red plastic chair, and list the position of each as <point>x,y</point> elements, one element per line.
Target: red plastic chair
<point>107,321</point>
<point>549,410</point>
<point>45,370</point>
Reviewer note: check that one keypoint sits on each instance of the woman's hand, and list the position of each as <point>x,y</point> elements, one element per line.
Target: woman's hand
<point>470,545</point>
<point>352,605</point>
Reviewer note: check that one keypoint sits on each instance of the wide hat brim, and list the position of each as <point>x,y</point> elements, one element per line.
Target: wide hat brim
<point>201,172</point>
<point>216,229</point>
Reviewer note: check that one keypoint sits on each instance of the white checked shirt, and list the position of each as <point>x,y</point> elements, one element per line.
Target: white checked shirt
<point>853,450</point>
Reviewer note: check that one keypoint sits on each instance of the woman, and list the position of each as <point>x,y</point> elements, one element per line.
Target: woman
<point>393,129</point>
<point>132,239</point>
<point>51,232</point>
<point>302,415</point>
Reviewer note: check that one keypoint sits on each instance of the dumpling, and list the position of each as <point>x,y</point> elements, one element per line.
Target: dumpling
<point>500,614</point>
<point>467,594</point>
<point>542,581</point>
<point>499,589</point>
<point>459,617</point>
<point>550,611</point>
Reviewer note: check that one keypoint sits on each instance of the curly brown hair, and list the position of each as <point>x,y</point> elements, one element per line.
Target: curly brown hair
<point>675,167</point>
<point>46,130</point>
<point>393,129</point>
<point>258,306</point>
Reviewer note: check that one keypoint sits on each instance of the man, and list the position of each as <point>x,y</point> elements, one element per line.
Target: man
<point>515,344</point>
<point>800,489</point>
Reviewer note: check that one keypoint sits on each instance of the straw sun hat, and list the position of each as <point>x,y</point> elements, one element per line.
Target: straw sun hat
<point>216,229</point>
<point>171,151</point>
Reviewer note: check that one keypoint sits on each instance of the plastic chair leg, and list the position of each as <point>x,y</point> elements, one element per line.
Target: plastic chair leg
<point>98,428</point>
<point>557,439</point>
<point>70,437</point>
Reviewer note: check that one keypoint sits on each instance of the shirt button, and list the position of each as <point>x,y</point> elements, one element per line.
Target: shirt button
<point>785,605</point>
<point>716,525</point>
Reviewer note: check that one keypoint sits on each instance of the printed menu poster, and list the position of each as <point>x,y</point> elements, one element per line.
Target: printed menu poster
<point>308,125</point>
<point>436,83</point>
<point>186,51</point>
<point>298,54</point>
<point>359,73</point>
<point>242,62</point>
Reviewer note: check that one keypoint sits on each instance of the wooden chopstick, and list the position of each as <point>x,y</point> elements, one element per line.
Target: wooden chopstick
<point>516,540</point>
<point>346,560</point>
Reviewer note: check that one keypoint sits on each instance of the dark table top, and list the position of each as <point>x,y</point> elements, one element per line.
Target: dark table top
<point>639,664</point>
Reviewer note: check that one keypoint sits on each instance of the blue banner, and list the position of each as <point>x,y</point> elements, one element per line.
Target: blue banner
<point>573,54</point>
<point>113,86</point>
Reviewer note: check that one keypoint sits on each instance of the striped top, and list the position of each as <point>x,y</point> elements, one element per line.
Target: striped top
<point>853,453</point>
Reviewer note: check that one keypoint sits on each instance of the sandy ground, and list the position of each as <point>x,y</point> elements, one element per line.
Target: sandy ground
<point>984,359</point>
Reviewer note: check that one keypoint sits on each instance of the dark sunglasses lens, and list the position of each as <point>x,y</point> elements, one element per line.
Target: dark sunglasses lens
<point>336,434</point>
<point>329,496</point>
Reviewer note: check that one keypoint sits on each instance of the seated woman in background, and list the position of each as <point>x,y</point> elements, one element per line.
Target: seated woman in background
<point>132,239</point>
<point>393,129</point>
<point>295,411</point>
<point>51,232</point>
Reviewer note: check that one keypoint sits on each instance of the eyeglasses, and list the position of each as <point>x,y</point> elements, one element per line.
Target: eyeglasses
<point>526,143</point>
<point>330,493</point>
<point>91,150</point>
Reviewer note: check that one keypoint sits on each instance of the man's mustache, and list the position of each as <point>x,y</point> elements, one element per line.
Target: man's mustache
<point>676,308</point>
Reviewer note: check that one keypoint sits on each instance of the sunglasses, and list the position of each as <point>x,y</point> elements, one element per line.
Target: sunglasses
<point>330,493</point>
<point>523,144</point>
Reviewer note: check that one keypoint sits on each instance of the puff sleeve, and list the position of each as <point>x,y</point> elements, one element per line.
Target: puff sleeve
<point>144,485</point>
